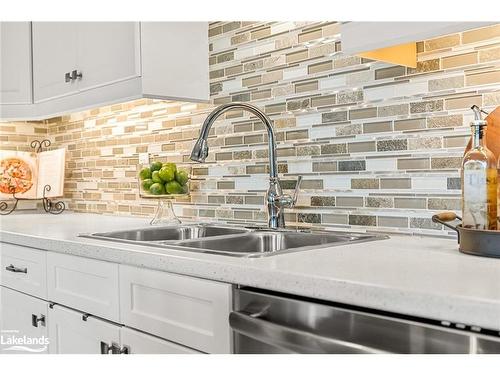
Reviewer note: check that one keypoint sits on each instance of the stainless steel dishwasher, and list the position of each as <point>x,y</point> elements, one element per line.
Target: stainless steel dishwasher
<point>265,322</point>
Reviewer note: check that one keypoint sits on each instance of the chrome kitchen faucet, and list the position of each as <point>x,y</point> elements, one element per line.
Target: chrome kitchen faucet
<point>276,200</point>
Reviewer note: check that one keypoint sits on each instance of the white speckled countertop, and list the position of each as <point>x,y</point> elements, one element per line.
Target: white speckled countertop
<point>413,275</point>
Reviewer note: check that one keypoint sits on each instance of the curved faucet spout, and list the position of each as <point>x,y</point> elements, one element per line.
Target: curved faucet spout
<point>200,149</point>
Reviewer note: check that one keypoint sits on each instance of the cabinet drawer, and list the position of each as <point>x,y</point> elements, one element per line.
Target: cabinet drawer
<point>84,284</point>
<point>141,343</point>
<point>186,310</point>
<point>24,269</point>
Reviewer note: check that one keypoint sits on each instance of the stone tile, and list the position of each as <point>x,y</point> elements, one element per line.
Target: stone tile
<point>492,98</point>
<point>392,145</point>
<point>446,162</point>
<point>446,83</point>
<point>365,183</point>
<point>352,165</point>
<point>424,223</point>
<point>308,218</point>
<point>312,184</point>
<point>425,66</point>
<point>377,127</point>
<point>393,110</point>
<point>478,35</point>
<point>297,134</point>
<point>395,183</point>
<point>306,86</point>
<point>320,67</point>
<point>356,114</point>
<point>261,33</point>
<point>367,146</point>
<point>487,55</point>
<point>255,80</point>
<point>225,185</point>
<point>459,60</point>
<point>297,56</point>
<point>216,199</point>
<point>310,35</point>
<point>379,202</point>
<point>234,199</point>
<point>345,97</point>
<point>393,71</point>
<point>349,202</point>
<point>456,141</point>
<point>243,215</point>
<point>352,129</point>
<point>334,219</point>
<point>294,105</point>
<point>415,163</point>
<point>463,102</point>
<point>345,61</point>
<point>426,106</point>
<point>308,150</point>
<point>363,220</point>
<point>442,42</point>
<point>322,201</point>
<point>326,166</point>
<point>483,78</point>
<point>323,100</point>
<point>258,201</point>
<point>411,124</point>
<point>395,222</point>
<point>337,148</point>
<point>425,143</point>
<point>413,203</point>
<point>450,121</point>
<point>334,116</point>
<point>444,204</point>
<point>322,50</point>
<point>454,183</point>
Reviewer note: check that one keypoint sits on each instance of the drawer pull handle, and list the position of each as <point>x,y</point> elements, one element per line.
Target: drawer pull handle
<point>12,268</point>
<point>35,319</point>
<point>120,350</point>
<point>106,348</point>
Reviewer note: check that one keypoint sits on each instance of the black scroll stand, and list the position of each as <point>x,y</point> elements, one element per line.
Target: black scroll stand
<point>50,206</point>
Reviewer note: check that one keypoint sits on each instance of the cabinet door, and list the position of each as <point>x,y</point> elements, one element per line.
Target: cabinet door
<point>71,332</point>
<point>182,309</point>
<point>54,55</point>
<point>15,63</point>
<point>141,343</point>
<point>23,323</point>
<point>108,52</point>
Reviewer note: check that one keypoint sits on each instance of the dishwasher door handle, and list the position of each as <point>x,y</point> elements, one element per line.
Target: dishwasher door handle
<point>293,339</point>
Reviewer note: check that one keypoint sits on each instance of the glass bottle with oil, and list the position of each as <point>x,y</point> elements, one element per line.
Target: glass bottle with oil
<point>479,182</point>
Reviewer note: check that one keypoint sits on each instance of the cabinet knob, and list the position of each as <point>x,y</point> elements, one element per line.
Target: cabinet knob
<point>75,74</point>
<point>106,348</point>
<point>35,320</point>
<point>67,77</point>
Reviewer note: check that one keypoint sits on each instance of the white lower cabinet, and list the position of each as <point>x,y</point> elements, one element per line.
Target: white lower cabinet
<point>73,332</point>
<point>23,323</point>
<point>190,311</point>
<point>88,306</point>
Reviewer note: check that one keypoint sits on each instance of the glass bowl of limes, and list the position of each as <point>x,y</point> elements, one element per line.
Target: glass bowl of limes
<point>163,180</point>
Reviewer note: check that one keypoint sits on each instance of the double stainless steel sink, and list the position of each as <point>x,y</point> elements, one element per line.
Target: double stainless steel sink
<point>232,240</point>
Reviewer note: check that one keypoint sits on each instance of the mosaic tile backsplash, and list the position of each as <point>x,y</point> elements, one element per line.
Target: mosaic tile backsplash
<point>379,145</point>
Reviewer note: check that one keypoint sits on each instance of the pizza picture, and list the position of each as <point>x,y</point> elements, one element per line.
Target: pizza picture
<point>16,176</point>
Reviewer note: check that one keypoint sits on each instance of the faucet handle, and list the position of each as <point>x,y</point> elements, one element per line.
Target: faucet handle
<point>297,190</point>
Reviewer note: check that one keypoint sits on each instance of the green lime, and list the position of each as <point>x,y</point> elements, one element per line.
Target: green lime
<point>156,177</point>
<point>145,173</point>
<point>170,165</point>
<point>156,166</point>
<point>157,189</point>
<point>146,184</point>
<point>167,173</point>
<point>173,187</point>
<point>181,177</point>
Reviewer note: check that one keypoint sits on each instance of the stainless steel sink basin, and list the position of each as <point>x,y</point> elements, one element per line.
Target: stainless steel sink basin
<point>168,233</point>
<point>264,243</point>
<point>233,241</point>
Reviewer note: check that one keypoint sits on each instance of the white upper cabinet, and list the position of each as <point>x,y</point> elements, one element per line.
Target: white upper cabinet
<point>54,54</point>
<point>15,63</point>
<point>108,52</point>
<point>81,65</point>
